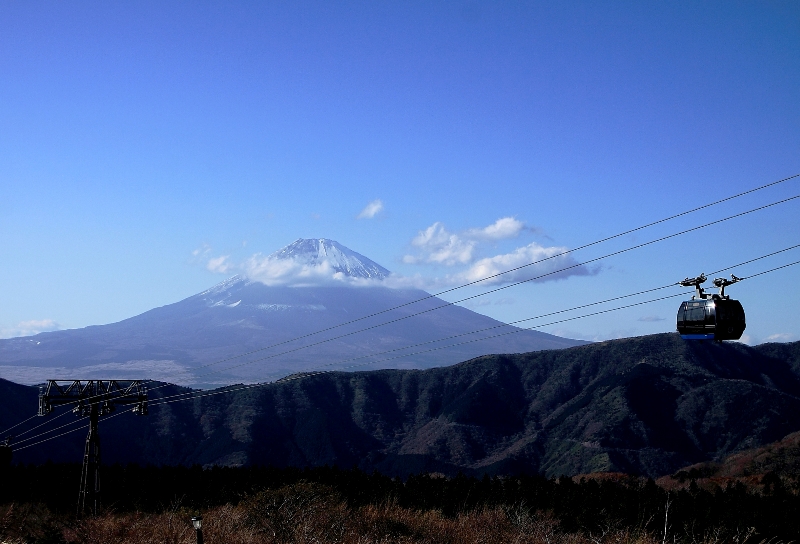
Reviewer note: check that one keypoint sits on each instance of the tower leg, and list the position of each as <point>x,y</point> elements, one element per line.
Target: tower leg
<point>89,498</point>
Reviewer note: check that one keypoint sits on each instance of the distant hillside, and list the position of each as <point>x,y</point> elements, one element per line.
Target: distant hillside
<point>774,464</point>
<point>647,405</point>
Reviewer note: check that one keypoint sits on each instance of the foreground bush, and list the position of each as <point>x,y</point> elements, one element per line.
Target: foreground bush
<point>327,504</point>
<point>312,513</point>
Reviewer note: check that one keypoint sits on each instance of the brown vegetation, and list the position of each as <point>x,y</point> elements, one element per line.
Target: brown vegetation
<point>759,469</point>
<point>313,513</point>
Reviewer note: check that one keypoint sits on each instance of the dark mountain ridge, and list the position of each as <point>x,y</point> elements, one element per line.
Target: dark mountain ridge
<point>647,405</point>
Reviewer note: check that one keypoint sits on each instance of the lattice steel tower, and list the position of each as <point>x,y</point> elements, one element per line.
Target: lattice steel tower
<point>92,398</point>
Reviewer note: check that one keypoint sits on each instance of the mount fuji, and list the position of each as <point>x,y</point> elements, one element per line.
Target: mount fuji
<point>274,316</point>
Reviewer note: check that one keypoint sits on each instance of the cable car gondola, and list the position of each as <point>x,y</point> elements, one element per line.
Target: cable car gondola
<point>710,317</point>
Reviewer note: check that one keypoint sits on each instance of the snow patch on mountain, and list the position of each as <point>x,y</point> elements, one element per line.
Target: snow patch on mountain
<point>280,307</point>
<point>223,287</point>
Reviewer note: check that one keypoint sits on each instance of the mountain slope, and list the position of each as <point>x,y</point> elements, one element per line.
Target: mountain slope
<point>647,405</point>
<point>240,315</point>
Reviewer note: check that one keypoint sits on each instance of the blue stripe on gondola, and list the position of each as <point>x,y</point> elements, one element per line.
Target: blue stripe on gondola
<point>697,336</point>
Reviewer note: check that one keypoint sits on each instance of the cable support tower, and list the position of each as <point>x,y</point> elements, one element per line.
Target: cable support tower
<point>105,395</point>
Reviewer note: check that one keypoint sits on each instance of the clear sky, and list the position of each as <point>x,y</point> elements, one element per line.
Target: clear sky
<point>147,149</point>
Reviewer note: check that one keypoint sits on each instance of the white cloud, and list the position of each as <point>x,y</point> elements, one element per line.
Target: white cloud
<point>202,250</point>
<point>780,337</point>
<point>396,281</point>
<point>437,245</point>
<point>220,265</point>
<point>614,334</point>
<point>651,318</point>
<point>478,302</point>
<point>275,271</point>
<point>38,325</point>
<point>272,271</point>
<point>551,267</point>
<point>441,246</point>
<point>166,370</point>
<point>29,328</point>
<point>371,210</point>
<point>505,227</point>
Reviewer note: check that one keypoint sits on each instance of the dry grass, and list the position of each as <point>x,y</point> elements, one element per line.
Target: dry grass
<point>334,523</point>
<point>305,514</point>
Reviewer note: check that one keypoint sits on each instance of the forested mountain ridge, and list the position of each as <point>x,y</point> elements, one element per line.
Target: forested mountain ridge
<point>648,405</point>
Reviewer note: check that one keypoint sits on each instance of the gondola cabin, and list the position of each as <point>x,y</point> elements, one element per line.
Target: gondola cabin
<point>710,317</point>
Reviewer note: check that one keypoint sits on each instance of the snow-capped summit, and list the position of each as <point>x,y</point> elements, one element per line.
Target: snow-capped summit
<point>315,252</point>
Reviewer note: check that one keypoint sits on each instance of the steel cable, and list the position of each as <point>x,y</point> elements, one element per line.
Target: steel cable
<point>448,304</point>
<point>564,253</point>
<point>312,373</point>
<point>511,323</point>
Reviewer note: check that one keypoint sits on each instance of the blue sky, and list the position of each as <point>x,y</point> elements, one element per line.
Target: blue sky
<point>139,141</point>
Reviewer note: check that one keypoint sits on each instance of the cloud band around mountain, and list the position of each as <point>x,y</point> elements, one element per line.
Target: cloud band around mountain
<point>314,262</point>
<point>272,271</point>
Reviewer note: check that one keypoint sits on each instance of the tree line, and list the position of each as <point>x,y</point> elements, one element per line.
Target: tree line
<point>586,505</point>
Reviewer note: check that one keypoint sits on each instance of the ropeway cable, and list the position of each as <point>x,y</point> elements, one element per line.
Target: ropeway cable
<point>72,431</point>
<point>448,304</point>
<point>54,437</point>
<point>181,397</point>
<point>566,252</point>
<point>767,271</point>
<point>43,433</point>
<point>41,424</point>
<point>175,398</point>
<point>189,396</point>
<point>18,424</point>
<point>307,374</point>
<point>48,431</point>
<point>511,323</point>
<point>310,374</point>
